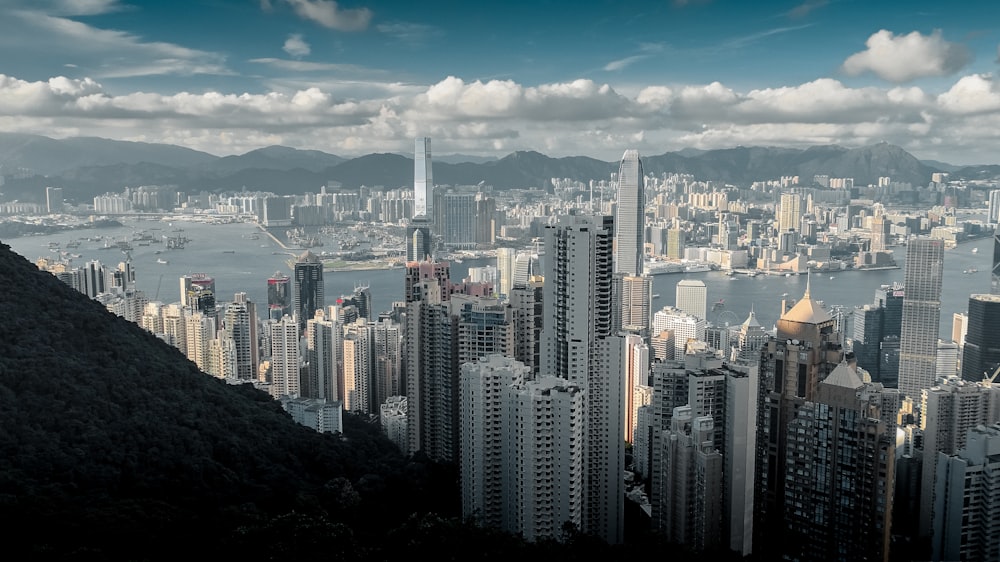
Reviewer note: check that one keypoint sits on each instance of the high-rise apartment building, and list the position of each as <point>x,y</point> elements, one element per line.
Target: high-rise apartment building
<point>526,302</point>
<point>505,269</point>
<point>966,525</point>
<point>356,349</point>
<point>948,413</point>
<point>323,335</point>
<point>240,321</point>
<point>921,315</point>
<point>692,297</point>
<point>308,296</point>
<point>578,345</point>
<point>995,276</point>
<point>387,357</point>
<point>285,366</point>
<point>636,302</point>
<point>630,216</point>
<point>636,375</point>
<point>789,212</point>
<point>485,387</point>
<point>993,212</point>
<point>192,283</point>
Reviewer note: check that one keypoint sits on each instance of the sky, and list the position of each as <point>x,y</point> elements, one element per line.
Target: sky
<point>565,78</point>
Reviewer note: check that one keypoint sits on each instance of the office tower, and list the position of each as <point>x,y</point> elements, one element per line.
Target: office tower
<point>193,282</point>
<point>526,266</point>
<point>839,473</point>
<point>636,375</point>
<point>995,275</point>
<point>868,338</point>
<point>93,278</point>
<point>946,362</point>
<point>419,241</point>
<point>356,347</point>
<point>662,345</point>
<point>526,302</point>
<point>948,413</point>
<point>456,219</point>
<point>959,328</point>
<point>544,473</point>
<point>966,524</point>
<point>201,299</point>
<point>790,212</point>
<point>362,299</point>
<point>993,213</point>
<point>692,483</point>
<point>636,301</point>
<point>54,199</point>
<point>279,296</point>
<point>921,315</point>
<point>577,345</point>
<point>981,355</point>
<point>241,326</point>
<point>630,216</point>
<point>505,268</point>
<point>431,365</point>
<point>751,341</point>
<point>739,447</point>
<point>308,295</point>
<point>890,299</point>
<point>485,384</point>
<point>285,368</point>
<point>692,297</point>
<point>423,179</point>
<point>323,338</point>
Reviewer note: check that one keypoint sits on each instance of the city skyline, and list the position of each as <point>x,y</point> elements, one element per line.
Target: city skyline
<point>361,77</point>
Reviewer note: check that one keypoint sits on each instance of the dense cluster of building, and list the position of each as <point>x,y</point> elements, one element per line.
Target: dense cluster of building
<point>548,384</point>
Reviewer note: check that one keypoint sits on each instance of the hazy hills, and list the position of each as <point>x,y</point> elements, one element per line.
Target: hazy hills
<point>85,167</point>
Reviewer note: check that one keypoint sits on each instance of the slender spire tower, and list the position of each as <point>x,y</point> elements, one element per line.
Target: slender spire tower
<point>630,217</point>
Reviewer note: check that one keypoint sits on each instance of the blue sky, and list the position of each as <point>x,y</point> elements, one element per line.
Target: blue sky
<point>564,78</point>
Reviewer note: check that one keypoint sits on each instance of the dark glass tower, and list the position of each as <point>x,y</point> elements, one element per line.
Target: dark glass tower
<point>982,342</point>
<point>309,296</point>
<point>279,296</point>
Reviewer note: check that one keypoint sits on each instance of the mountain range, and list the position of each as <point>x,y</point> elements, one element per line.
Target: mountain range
<point>87,166</point>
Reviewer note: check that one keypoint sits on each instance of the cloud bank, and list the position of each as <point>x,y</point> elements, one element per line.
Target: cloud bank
<point>901,58</point>
<point>498,116</point>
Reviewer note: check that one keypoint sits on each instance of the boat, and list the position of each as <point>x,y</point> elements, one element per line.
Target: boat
<point>228,251</point>
<point>975,250</point>
<point>970,270</point>
<point>832,277</point>
<point>656,295</point>
<point>162,261</point>
<point>659,267</point>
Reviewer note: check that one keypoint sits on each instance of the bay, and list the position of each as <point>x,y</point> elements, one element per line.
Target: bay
<point>241,258</point>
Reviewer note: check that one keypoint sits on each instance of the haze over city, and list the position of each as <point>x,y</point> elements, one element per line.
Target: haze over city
<point>352,78</point>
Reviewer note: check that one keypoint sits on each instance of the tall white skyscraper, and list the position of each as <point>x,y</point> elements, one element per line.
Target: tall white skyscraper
<point>790,212</point>
<point>423,178</point>
<point>630,221</point>
<point>993,216</point>
<point>692,296</point>
<point>921,315</point>
<point>505,268</point>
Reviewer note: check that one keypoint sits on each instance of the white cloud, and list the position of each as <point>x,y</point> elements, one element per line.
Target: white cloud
<point>329,14</point>
<point>414,34</point>
<point>130,55</point>
<point>564,118</point>
<point>296,46</point>
<point>901,58</point>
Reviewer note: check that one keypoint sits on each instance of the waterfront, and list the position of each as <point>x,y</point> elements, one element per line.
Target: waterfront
<point>240,262</point>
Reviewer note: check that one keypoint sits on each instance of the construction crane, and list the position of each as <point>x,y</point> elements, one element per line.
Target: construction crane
<point>990,379</point>
<point>158,283</point>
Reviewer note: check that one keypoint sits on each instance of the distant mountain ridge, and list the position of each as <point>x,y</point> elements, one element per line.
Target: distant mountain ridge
<point>85,167</point>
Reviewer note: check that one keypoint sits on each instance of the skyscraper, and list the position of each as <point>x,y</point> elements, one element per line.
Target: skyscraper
<point>285,357</point>
<point>505,268</point>
<point>308,296</point>
<point>921,315</point>
<point>630,216</point>
<point>279,296</point>
<point>323,335</point>
<point>692,297</point>
<point>981,355</point>
<point>578,345</point>
<point>423,178</point>
<point>241,325</point>
<point>190,282</point>
<point>995,277</point>
<point>790,212</point>
<point>993,214</point>
<point>419,240</point>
